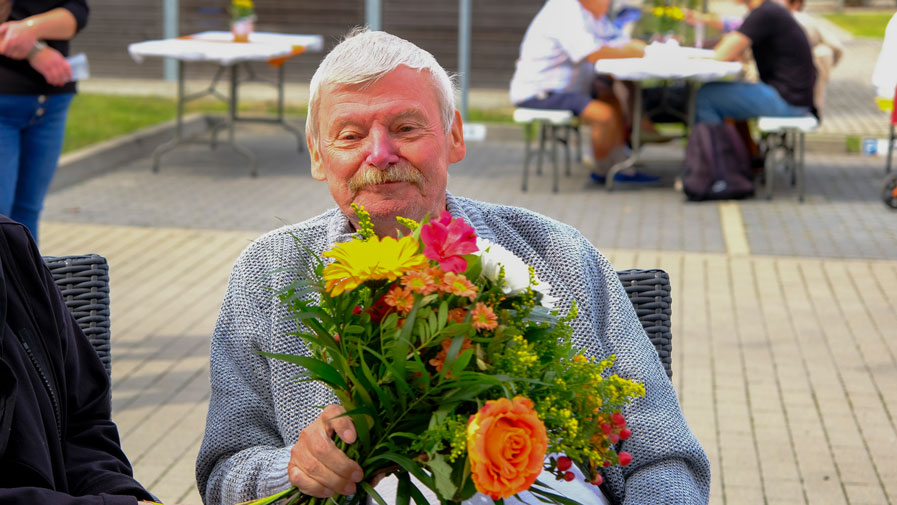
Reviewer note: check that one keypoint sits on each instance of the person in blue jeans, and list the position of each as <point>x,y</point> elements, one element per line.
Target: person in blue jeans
<point>35,93</point>
<point>784,63</point>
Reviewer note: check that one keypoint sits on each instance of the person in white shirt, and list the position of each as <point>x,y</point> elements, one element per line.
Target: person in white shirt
<point>827,49</point>
<point>555,70</point>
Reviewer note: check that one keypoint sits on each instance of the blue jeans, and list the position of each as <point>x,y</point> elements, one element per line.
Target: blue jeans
<point>741,100</point>
<point>32,128</point>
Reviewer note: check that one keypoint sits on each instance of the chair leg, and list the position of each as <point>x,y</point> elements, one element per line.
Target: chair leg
<point>566,140</point>
<point>770,164</point>
<point>543,133</point>
<point>890,149</point>
<point>554,159</point>
<point>578,136</point>
<point>799,171</point>
<point>528,138</point>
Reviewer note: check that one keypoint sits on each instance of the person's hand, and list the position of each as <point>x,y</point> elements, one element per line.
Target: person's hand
<point>53,66</point>
<point>317,466</point>
<point>16,39</point>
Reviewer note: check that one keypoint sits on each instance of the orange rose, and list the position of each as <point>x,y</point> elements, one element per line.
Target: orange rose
<point>506,445</point>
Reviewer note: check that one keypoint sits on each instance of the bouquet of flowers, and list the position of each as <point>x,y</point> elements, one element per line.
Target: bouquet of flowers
<point>446,352</point>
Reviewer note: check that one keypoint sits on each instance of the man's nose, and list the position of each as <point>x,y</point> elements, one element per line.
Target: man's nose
<point>382,149</point>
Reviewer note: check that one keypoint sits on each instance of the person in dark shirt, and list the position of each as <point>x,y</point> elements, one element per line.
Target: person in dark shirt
<point>35,93</point>
<point>58,445</point>
<point>784,63</point>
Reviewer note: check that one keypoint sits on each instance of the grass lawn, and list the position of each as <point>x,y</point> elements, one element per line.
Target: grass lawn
<point>863,24</point>
<point>95,117</point>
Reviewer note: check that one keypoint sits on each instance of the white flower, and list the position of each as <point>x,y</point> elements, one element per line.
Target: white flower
<point>494,256</point>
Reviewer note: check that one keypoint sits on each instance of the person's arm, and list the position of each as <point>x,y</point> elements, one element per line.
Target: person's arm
<point>730,47</point>
<point>243,454</point>
<point>633,49</point>
<point>17,38</point>
<point>669,465</point>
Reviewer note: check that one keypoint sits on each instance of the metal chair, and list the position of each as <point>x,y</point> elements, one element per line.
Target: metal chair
<point>649,292</point>
<point>84,282</point>
<point>785,135</point>
<point>558,126</point>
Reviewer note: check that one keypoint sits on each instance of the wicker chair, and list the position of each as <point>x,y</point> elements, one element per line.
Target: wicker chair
<point>84,282</point>
<point>649,292</point>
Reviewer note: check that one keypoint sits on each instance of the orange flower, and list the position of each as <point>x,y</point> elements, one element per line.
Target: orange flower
<point>400,298</point>
<point>483,318</point>
<point>439,360</point>
<point>506,445</point>
<point>457,315</point>
<point>419,281</point>
<point>458,285</point>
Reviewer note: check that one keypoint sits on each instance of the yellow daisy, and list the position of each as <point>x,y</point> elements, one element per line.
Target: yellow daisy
<point>359,261</point>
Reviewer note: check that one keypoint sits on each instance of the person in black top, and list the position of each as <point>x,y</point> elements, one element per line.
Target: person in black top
<point>58,445</point>
<point>784,62</point>
<point>35,93</point>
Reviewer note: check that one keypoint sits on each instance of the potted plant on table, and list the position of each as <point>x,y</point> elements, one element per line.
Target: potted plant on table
<point>242,19</point>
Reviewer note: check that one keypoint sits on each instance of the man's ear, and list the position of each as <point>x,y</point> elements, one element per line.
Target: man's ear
<point>317,166</point>
<point>457,149</point>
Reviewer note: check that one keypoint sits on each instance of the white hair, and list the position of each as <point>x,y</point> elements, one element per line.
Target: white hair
<point>365,56</point>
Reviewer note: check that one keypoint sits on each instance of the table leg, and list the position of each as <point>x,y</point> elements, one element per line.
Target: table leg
<point>232,112</point>
<point>179,122</point>
<point>692,103</point>
<point>635,138</point>
<point>300,136</point>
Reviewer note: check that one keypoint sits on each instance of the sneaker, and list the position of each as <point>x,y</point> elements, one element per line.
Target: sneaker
<point>635,177</point>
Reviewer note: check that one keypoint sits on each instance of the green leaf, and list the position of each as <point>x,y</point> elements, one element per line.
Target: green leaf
<point>442,475</point>
<point>417,496</point>
<point>555,498</point>
<point>319,369</point>
<point>384,397</point>
<point>403,490</point>
<point>442,314</point>
<point>406,463</point>
<point>462,362</point>
<point>373,494</point>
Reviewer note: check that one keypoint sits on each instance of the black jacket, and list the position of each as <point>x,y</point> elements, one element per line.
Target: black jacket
<point>58,445</point>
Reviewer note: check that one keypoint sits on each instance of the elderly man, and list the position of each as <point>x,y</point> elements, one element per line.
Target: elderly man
<point>382,131</point>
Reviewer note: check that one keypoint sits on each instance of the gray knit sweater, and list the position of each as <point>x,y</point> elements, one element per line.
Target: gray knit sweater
<point>257,408</point>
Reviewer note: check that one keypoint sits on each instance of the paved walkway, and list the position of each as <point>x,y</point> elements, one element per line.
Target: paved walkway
<point>784,315</point>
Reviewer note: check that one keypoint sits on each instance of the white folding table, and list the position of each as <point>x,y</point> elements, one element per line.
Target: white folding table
<point>663,62</point>
<point>218,47</point>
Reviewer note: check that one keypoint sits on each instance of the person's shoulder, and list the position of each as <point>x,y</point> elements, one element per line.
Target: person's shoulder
<point>526,223</point>
<point>278,244</point>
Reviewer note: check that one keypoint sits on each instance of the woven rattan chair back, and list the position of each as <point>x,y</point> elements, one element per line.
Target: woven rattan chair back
<point>84,282</point>
<point>649,292</point>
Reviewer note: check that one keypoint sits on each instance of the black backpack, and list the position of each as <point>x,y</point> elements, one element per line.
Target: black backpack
<point>717,164</point>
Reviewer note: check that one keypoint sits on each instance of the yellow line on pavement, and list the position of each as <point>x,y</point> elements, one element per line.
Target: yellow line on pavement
<point>733,229</point>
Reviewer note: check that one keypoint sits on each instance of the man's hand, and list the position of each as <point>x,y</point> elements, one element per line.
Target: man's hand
<point>317,466</point>
<point>16,39</point>
<point>53,66</point>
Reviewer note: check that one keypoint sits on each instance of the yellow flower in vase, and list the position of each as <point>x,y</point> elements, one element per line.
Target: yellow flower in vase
<point>242,19</point>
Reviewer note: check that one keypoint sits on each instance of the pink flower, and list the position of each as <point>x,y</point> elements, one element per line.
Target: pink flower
<point>446,240</point>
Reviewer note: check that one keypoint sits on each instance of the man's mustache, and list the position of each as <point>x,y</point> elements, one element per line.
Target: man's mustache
<point>369,176</point>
